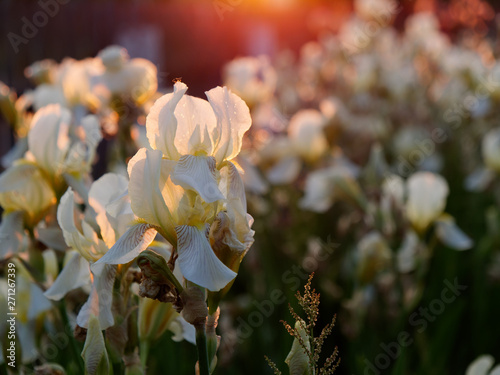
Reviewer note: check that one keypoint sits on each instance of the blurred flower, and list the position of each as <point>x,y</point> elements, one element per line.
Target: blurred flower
<point>60,148</point>
<point>306,134</point>
<point>23,187</point>
<point>374,256</point>
<point>133,79</point>
<point>426,200</point>
<point>43,71</point>
<point>325,186</point>
<point>380,10</point>
<point>251,78</point>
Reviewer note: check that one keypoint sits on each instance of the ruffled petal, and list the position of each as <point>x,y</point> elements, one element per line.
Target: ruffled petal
<point>198,262</point>
<point>136,239</point>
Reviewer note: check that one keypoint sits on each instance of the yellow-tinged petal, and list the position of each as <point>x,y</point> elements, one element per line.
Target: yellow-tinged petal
<point>149,179</point>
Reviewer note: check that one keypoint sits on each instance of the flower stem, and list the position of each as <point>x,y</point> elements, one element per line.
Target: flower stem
<point>144,352</point>
<point>201,345</point>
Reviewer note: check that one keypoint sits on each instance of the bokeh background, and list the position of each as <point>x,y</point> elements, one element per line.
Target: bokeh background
<point>193,40</point>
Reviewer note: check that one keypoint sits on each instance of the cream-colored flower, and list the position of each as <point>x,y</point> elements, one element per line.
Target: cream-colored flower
<point>306,133</point>
<point>24,188</point>
<point>133,79</point>
<point>325,186</point>
<point>59,147</point>
<point>181,216</point>
<point>201,135</point>
<point>81,236</point>
<point>427,193</point>
<point>251,78</point>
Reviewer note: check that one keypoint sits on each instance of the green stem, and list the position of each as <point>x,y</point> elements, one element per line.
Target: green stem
<point>74,347</point>
<point>201,345</point>
<point>144,352</point>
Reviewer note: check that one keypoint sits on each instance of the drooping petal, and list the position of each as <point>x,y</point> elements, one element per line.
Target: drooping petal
<point>128,247</point>
<point>149,175</point>
<point>100,299</point>
<point>94,352</point>
<point>233,120</point>
<point>48,138</point>
<point>451,235</point>
<point>75,273</point>
<point>11,234</point>
<point>52,237</point>
<point>38,302</point>
<point>198,173</point>
<point>198,262</point>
